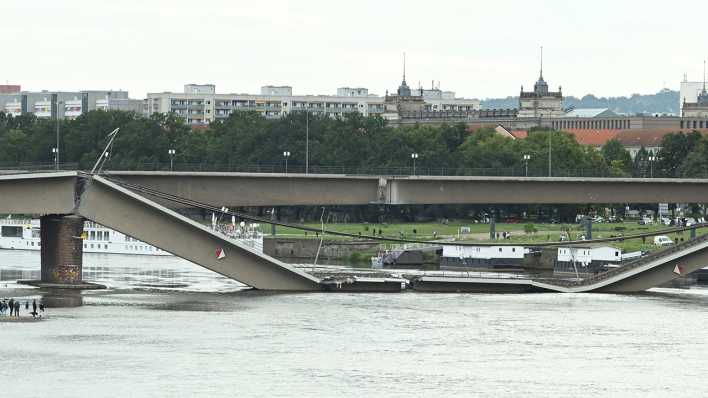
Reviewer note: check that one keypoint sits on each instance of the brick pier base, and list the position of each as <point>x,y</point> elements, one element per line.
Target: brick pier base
<point>62,249</point>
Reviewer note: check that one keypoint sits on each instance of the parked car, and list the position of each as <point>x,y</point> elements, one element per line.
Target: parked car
<point>645,221</point>
<point>662,240</point>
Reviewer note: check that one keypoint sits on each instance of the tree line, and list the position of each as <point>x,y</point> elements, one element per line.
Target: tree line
<point>350,142</point>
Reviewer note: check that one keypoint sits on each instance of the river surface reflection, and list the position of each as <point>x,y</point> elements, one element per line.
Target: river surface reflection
<point>168,328</point>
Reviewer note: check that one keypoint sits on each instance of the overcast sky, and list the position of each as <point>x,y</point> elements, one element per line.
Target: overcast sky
<point>478,49</point>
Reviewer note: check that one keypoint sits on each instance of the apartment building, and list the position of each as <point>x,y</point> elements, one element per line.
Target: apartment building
<point>199,104</point>
<point>66,104</point>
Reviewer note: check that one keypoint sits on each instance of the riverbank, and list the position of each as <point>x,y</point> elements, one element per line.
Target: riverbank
<point>455,231</point>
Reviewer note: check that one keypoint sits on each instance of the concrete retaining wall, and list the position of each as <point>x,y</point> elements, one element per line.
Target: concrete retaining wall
<point>306,249</point>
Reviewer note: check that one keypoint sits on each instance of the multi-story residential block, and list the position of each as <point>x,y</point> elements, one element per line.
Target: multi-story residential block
<point>200,104</point>
<point>49,104</point>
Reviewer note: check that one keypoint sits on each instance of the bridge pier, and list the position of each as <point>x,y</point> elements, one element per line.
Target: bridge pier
<point>62,252</point>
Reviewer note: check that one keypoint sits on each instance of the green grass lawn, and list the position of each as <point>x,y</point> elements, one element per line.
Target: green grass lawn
<point>479,232</point>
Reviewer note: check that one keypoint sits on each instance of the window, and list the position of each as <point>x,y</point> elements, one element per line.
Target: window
<point>617,254</point>
<point>500,249</point>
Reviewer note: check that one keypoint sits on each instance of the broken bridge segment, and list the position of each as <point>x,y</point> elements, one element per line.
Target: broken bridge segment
<point>116,207</point>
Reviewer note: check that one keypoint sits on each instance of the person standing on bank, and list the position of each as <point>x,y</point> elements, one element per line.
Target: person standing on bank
<point>17,308</point>
<point>11,306</point>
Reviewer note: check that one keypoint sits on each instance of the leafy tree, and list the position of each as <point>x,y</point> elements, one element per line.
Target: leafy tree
<point>617,158</point>
<point>696,163</point>
<point>674,149</point>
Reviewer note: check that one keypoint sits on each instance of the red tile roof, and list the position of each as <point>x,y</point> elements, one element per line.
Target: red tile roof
<point>520,133</point>
<point>593,137</point>
<point>647,137</point>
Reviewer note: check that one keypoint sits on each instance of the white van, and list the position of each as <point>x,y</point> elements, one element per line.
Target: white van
<point>662,240</point>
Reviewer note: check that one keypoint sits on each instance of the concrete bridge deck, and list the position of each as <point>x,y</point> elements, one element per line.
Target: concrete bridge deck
<point>277,189</point>
<point>106,202</point>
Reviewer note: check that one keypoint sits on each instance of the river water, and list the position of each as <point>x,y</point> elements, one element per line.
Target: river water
<point>166,327</point>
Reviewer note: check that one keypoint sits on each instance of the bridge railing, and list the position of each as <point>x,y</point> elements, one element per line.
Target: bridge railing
<point>28,167</point>
<point>280,168</point>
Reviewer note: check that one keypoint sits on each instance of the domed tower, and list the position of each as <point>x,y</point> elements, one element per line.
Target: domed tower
<point>403,89</point>
<point>540,102</point>
<point>405,103</point>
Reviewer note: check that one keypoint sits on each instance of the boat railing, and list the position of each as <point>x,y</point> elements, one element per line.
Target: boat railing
<point>477,275</point>
<point>16,221</point>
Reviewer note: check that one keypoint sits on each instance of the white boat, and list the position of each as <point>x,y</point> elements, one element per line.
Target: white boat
<point>23,234</point>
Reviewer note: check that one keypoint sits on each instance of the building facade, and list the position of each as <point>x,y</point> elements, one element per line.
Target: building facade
<point>66,104</point>
<point>697,109</point>
<point>541,103</point>
<point>201,104</point>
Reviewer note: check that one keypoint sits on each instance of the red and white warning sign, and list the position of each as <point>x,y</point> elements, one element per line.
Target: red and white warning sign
<point>220,253</point>
<point>678,269</point>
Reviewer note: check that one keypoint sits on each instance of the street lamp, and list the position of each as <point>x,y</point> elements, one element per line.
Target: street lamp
<point>172,157</point>
<point>526,162</point>
<point>286,155</point>
<point>307,141</point>
<point>550,135</point>
<point>652,159</point>
<point>414,156</point>
<point>56,153</point>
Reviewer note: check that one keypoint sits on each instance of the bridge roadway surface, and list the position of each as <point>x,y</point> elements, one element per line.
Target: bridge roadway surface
<point>105,202</point>
<point>272,189</point>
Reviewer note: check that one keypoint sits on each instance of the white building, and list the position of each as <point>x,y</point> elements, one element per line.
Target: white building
<point>200,104</point>
<point>587,258</point>
<point>66,104</point>
<point>437,100</point>
<point>689,93</point>
<point>481,256</point>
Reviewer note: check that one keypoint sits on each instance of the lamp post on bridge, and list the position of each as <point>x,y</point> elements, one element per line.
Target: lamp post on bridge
<point>526,163</point>
<point>55,150</point>
<point>414,156</point>
<point>56,157</point>
<point>286,155</point>
<point>172,157</point>
<point>652,159</point>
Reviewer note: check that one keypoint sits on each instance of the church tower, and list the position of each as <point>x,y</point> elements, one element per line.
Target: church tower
<point>541,102</point>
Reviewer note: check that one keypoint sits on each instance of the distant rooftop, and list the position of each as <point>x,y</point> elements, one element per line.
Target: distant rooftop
<point>591,112</point>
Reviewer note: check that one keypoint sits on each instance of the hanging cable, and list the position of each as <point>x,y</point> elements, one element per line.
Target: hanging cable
<point>248,217</point>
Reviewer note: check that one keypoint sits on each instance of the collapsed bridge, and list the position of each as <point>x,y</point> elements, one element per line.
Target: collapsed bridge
<point>62,198</point>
